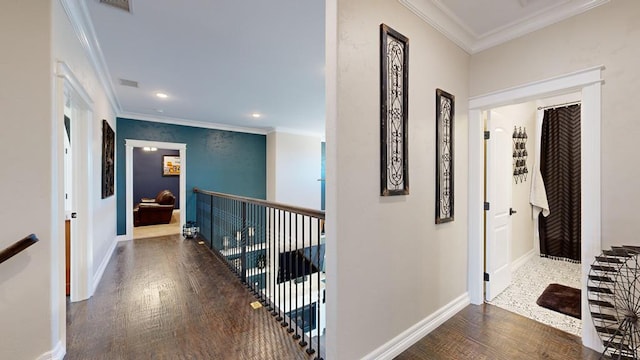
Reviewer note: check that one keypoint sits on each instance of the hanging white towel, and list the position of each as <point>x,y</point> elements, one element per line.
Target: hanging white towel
<point>538,196</point>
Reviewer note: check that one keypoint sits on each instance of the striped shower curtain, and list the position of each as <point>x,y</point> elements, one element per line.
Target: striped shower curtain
<point>560,167</point>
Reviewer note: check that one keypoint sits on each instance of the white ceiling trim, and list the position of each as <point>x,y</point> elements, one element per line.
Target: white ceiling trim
<point>78,15</point>
<point>286,130</point>
<point>434,16</point>
<point>461,35</point>
<point>193,123</point>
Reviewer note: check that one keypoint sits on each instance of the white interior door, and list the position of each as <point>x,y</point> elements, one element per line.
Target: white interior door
<point>499,173</point>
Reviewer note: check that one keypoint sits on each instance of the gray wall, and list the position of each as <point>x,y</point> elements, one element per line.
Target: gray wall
<point>389,266</point>
<point>608,35</point>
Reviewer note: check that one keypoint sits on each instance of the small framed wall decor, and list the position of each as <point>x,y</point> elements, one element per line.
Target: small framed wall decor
<point>445,109</point>
<point>394,101</point>
<point>108,159</point>
<point>170,165</point>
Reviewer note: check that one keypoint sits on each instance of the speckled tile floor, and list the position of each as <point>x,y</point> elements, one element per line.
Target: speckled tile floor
<point>529,281</point>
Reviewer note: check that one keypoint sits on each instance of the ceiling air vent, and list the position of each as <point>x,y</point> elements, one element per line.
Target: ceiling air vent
<point>131,83</point>
<point>120,4</point>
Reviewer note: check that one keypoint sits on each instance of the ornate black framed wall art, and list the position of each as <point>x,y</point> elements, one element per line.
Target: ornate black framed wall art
<point>445,110</point>
<point>394,101</point>
<point>108,159</point>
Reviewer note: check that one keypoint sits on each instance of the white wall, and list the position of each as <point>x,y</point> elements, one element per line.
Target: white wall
<point>293,169</point>
<point>26,177</point>
<point>34,36</point>
<point>67,48</point>
<point>389,267</point>
<point>608,35</point>
<point>522,115</point>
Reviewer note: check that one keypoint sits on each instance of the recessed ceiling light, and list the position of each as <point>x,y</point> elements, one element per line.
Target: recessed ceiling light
<point>162,95</point>
<point>160,110</point>
<point>256,115</point>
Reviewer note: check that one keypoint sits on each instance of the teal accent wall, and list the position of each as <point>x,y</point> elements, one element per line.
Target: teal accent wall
<point>223,161</point>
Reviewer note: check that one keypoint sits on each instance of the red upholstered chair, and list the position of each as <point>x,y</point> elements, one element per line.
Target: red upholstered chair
<point>154,211</point>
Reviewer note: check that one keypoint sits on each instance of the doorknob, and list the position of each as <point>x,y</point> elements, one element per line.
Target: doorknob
<point>511,211</point>
<point>74,215</point>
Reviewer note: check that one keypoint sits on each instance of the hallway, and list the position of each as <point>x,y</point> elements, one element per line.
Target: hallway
<point>169,298</point>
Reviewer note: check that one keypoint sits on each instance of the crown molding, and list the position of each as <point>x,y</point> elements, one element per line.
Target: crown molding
<point>192,123</point>
<point>78,15</point>
<point>296,132</point>
<point>439,20</point>
<point>450,26</point>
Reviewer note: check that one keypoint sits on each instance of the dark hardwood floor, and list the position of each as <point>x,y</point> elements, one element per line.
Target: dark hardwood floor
<point>169,298</point>
<point>489,332</point>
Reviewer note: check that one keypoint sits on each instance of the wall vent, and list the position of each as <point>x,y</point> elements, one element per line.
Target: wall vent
<point>120,4</point>
<point>130,83</point>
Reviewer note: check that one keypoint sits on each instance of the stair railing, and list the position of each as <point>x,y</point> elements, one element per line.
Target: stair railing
<point>17,247</point>
<point>278,252</point>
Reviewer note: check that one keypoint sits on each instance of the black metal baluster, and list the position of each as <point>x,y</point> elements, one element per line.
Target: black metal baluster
<point>238,233</point>
<point>291,262</point>
<point>280,289</point>
<point>211,220</point>
<point>263,245</point>
<point>270,258</point>
<point>303,315</point>
<point>312,322</point>
<point>287,306</point>
<point>298,270</point>
<point>276,213</point>
<point>320,297</point>
<point>250,251</point>
<point>229,232</point>
<point>243,245</point>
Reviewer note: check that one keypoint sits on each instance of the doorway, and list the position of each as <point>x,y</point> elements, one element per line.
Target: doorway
<point>129,147</point>
<point>156,174</point>
<point>588,83</point>
<point>74,102</point>
<point>528,275</point>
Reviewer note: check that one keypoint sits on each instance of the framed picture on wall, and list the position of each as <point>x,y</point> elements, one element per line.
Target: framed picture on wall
<point>108,159</point>
<point>394,101</point>
<point>170,165</point>
<point>445,106</point>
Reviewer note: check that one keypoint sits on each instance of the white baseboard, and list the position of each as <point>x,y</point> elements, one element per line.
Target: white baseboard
<point>515,265</point>
<point>103,265</point>
<point>57,353</point>
<point>412,335</point>
<point>125,237</point>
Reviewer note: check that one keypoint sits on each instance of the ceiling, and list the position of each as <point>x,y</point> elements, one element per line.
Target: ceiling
<point>220,61</point>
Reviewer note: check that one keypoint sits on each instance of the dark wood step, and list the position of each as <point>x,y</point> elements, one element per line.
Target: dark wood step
<point>607,330</point>
<point>630,249</point>
<point>601,303</point>
<point>604,268</point>
<point>603,316</point>
<point>617,252</point>
<point>615,356</point>
<point>601,290</point>
<point>607,259</point>
<point>616,345</point>
<point>601,278</point>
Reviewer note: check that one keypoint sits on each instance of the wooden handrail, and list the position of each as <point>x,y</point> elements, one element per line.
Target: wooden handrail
<point>17,247</point>
<point>294,209</point>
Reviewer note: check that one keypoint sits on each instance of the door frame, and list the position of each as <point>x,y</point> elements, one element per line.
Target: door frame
<point>68,86</point>
<point>132,143</point>
<point>588,82</point>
